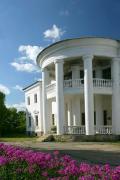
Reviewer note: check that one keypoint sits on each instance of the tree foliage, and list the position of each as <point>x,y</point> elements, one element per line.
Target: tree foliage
<point>11,121</point>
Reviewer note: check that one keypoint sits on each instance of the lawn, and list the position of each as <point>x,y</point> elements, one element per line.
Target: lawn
<point>17,138</point>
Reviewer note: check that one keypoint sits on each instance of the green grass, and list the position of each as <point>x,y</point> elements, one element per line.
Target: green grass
<point>17,138</point>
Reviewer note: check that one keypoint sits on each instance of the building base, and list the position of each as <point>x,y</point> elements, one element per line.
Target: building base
<point>79,138</point>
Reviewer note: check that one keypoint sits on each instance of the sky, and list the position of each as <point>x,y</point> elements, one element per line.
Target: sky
<point>28,26</point>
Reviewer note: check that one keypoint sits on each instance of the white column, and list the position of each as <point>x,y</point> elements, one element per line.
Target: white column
<point>45,116</point>
<point>98,101</point>
<point>116,96</point>
<point>88,95</point>
<point>76,100</point>
<point>49,113</point>
<point>99,110</point>
<point>69,113</point>
<point>76,110</point>
<point>60,110</point>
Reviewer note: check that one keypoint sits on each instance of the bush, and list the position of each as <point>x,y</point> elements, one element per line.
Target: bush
<point>17,163</point>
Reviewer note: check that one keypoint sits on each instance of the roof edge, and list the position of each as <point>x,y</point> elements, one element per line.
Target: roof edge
<point>69,39</point>
<point>35,83</point>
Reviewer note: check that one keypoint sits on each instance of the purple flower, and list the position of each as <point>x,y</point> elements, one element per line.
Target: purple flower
<point>3,160</point>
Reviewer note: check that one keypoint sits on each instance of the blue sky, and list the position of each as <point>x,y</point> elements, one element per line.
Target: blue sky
<point>27,26</point>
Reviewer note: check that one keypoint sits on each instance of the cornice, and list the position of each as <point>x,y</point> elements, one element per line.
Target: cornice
<point>72,43</point>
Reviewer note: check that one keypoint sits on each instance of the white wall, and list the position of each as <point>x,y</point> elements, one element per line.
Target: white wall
<point>34,108</point>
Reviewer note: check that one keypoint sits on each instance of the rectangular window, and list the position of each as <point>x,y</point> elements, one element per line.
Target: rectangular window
<point>83,119</point>
<point>94,117</point>
<point>68,75</point>
<point>28,100</point>
<point>81,74</point>
<point>36,120</point>
<point>53,119</point>
<point>106,73</point>
<point>29,123</point>
<point>35,98</point>
<point>105,117</point>
<point>94,74</point>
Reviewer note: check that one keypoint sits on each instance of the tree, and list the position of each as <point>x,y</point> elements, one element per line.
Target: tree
<point>3,113</point>
<point>11,121</point>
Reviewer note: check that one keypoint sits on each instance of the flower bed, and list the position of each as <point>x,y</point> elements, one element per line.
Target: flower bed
<point>20,164</point>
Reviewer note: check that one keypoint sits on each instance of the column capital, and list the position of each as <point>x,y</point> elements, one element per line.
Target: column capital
<point>87,57</point>
<point>59,61</point>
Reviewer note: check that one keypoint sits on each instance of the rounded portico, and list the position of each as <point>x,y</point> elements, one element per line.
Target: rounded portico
<point>82,77</point>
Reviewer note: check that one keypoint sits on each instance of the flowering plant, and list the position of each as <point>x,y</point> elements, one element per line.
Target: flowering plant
<point>18,163</point>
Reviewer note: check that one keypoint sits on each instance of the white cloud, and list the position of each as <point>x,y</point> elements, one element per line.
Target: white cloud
<point>25,67</point>
<point>18,87</point>
<point>19,107</point>
<point>54,33</point>
<point>30,52</point>
<point>27,61</point>
<point>4,89</point>
<point>64,13</point>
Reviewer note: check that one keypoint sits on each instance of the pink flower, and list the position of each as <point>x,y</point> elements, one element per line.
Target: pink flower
<point>3,160</point>
<point>45,174</point>
<point>56,153</point>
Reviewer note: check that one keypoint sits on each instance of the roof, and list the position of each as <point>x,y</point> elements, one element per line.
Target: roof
<point>64,40</point>
<point>35,83</point>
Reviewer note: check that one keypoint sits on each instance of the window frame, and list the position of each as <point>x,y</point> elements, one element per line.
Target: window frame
<point>36,121</point>
<point>28,100</point>
<point>29,122</point>
<point>35,98</point>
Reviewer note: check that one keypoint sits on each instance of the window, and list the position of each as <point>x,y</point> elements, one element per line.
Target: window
<point>29,121</point>
<point>53,119</point>
<point>94,117</point>
<point>36,120</point>
<point>68,75</point>
<point>106,73</point>
<point>35,98</point>
<point>83,119</point>
<point>28,100</point>
<point>105,117</point>
<point>94,74</point>
<point>81,74</point>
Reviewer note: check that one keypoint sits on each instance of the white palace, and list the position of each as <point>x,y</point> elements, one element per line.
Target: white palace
<point>80,88</point>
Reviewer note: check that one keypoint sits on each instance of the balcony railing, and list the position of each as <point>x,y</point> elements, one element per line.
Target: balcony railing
<point>103,130</point>
<point>74,130</point>
<point>81,130</point>
<point>73,83</point>
<point>77,83</point>
<point>102,82</point>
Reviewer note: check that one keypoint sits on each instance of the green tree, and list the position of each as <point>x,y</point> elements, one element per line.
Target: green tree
<point>11,121</point>
<point>3,113</point>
